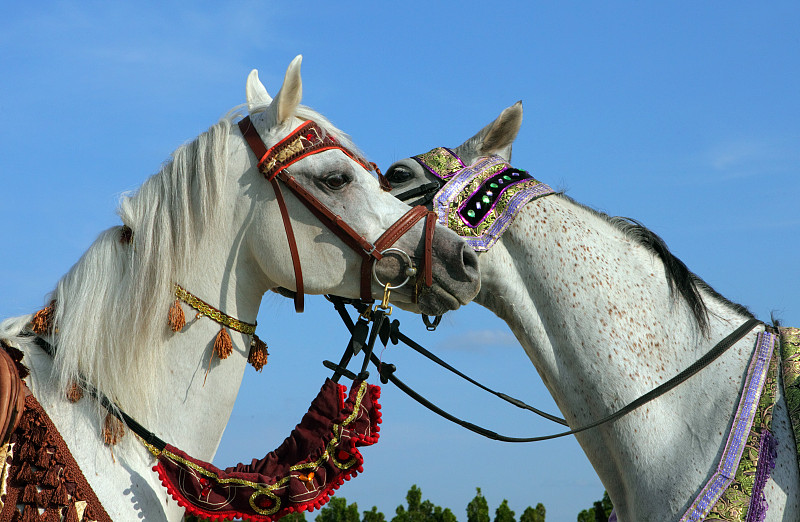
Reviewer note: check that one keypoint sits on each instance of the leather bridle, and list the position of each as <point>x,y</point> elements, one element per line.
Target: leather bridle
<point>308,139</point>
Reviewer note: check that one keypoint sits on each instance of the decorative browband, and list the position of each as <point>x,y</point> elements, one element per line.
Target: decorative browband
<point>307,139</point>
<point>480,201</point>
<point>441,162</point>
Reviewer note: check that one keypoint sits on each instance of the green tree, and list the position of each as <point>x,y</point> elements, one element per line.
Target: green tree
<point>373,515</point>
<point>338,510</point>
<point>478,508</point>
<point>421,511</point>
<point>503,513</point>
<point>599,512</point>
<point>297,516</point>
<point>533,514</point>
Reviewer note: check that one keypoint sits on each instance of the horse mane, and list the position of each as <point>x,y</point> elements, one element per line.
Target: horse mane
<point>111,306</point>
<point>682,281</point>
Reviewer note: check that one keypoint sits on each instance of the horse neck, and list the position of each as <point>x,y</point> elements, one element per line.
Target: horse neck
<point>594,312</point>
<point>194,392</point>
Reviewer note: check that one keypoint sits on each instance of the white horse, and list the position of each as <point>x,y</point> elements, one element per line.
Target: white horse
<point>209,222</point>
<point>606,313</point>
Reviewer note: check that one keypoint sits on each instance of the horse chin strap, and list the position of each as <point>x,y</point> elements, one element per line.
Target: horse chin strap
<point>308,139</point>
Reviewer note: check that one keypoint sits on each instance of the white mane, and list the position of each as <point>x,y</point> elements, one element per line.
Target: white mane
<point>111,311</point>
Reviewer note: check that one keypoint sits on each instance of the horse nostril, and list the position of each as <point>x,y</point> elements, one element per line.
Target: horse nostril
<point>469,260</point>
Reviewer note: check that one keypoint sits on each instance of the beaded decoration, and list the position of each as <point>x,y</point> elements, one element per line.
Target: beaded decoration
<point>480,201</point>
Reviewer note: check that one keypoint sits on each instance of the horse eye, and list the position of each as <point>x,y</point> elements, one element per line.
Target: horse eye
<point>397,175</point>
<point>336,181</point>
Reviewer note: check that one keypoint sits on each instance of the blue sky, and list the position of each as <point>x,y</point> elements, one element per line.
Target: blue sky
<point>682,115</point>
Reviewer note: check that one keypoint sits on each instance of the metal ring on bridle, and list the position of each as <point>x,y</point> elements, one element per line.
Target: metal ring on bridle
<point>410,271</point>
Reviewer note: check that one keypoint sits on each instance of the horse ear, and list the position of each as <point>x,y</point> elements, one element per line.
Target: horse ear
<point>495,138</point>
<point>288,98</point>
<point>257,96</point>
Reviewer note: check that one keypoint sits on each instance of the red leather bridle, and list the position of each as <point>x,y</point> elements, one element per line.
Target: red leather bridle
<point>309,139</point>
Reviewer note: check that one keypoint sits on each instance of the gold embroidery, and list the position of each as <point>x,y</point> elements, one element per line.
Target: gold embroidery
<point>211,312</point>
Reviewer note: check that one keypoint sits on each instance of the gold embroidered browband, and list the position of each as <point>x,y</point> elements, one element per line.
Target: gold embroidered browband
<point>213,313</point>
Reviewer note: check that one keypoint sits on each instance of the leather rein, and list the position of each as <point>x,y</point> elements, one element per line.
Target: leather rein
<point>386,331</point>
<point>308,139</point>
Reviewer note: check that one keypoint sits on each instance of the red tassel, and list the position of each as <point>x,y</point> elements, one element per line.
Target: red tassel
<point>258,353</point>
<point>176,318</point>
<point>223,345</point>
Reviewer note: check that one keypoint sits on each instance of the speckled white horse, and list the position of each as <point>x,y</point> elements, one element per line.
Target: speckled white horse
<point>208,221</point>
<point>606,313</point>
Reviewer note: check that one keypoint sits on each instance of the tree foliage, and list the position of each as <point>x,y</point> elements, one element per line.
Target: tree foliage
<point>337,510</point>
<point>421,511</point>
<point>533,514</point>
<point>503,513</point>
<point>478,508</point>
<point>599,512</point>
<point>373,515</point>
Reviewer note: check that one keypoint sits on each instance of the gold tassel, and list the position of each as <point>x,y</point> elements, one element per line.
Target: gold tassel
<point>223,345</point>
<point>113,430</point>
<point>74,392</point>
<point>258,353</point>
<point>176,319</point>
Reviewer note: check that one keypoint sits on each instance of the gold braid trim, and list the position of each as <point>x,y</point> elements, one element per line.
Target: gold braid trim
<point>211,312</point>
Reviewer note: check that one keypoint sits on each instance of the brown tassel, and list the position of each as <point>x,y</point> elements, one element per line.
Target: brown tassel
<point>43,459</point>
<point>42,322</point>
<point>51,515</point>
<point>176,319</point>
<point>45,496</point>
<point>60,496</point>
<point>27,452</point>
<point>31,514</point>
<point>125,235</point>
<point>25,474</point>
<point>74,392</point>
<point>51,476</point>
<point>113,430</point>
<point>30,494</point>
<point>258,353</point>
<point>72,514</point>
<point>223,345</point>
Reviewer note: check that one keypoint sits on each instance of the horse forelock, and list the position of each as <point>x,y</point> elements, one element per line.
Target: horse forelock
<point>111,306</point>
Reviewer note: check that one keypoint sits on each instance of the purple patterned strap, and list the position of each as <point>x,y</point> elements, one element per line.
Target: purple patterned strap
<point>480,201</point>
<point>742,423</point>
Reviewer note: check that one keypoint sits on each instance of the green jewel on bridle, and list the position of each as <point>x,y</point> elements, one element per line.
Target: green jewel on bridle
<point>223,345</point>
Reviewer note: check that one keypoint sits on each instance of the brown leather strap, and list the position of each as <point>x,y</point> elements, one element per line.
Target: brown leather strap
<point>299,304</point>
<point>430,226</point>
<point>305,140</point>
<point>387,239</point>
